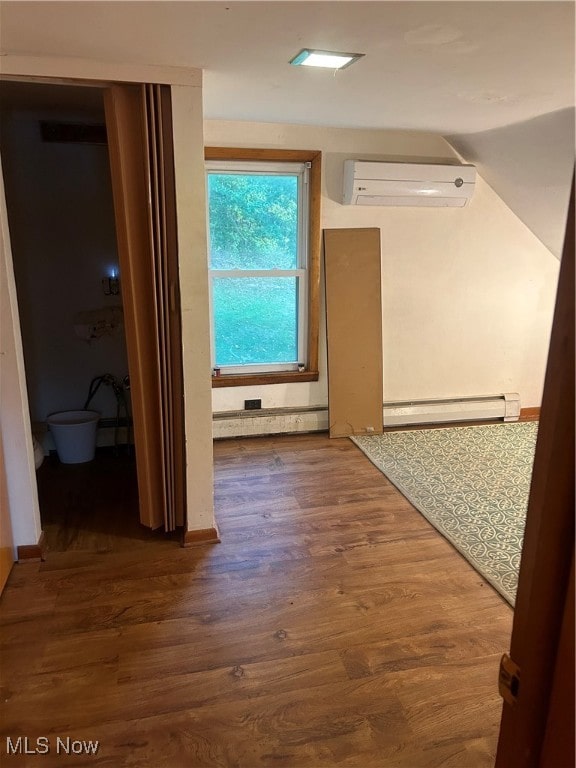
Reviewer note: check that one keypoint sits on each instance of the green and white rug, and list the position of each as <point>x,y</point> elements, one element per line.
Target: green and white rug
<point>471,483</point>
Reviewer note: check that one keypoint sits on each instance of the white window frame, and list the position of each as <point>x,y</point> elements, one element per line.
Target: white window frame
<point>269,168</point>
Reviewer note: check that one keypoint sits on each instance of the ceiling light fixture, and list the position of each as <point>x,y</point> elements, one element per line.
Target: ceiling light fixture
<point>309,57</point>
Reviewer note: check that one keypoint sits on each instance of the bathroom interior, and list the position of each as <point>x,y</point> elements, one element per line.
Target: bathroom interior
<point>61,217</point>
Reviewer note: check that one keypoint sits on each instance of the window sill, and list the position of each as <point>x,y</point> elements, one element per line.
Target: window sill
<point>259,379</point>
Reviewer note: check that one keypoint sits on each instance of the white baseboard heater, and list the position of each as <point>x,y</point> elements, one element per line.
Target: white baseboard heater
<point>270,421</point>
<point>276,421</point>
<point>485,408</point>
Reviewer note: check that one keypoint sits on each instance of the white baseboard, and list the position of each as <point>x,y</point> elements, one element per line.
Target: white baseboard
<point>505,406</point>
<point>277,421</point>
<point>269,421</point>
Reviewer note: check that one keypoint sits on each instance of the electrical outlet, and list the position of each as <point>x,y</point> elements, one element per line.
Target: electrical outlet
<point>252,405</point>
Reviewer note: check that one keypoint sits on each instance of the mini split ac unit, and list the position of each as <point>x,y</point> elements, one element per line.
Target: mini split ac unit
<point>407,184</point>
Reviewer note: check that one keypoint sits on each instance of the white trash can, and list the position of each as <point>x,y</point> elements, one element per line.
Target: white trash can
<point>74,434</point>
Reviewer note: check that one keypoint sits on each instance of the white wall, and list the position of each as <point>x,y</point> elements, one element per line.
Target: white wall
<point>468,294</point>
<point>530,165</point>
<point>61,217</point>
<point>193,265</point>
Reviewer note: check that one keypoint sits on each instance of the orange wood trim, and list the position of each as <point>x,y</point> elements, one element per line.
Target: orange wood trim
<point>260,379</point>
<point>314,250</point>
<point>32,551</point>
<point>529,414</point>
<point>251,153</point>
<point>314,157</point>
<point>202,536</point>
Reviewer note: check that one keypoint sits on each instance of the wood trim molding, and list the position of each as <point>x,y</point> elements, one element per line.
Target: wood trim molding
<point>314,252</point>
<point>548,550</point>
<point>32,552</point>
<point>529,414</point>
<point>314,157</point>
<point>259,379</point>
<point>254,153</point>
<point>202,536</point>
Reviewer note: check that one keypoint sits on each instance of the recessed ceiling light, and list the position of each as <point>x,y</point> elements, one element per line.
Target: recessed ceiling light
<point>327,59</point>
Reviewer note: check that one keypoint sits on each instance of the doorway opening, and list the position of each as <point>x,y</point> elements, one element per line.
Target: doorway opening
<point>62,226</point>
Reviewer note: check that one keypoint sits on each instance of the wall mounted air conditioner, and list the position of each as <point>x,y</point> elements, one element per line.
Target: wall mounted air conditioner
<point>407,184</point>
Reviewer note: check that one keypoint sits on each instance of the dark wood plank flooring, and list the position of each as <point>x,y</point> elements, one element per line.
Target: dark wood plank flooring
<point>333,626</point>
<point>92,506</point>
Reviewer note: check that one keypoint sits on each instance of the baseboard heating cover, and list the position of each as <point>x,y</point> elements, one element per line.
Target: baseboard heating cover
<point>276,421</point>
<point>270,421</point>
<point>484,408</point>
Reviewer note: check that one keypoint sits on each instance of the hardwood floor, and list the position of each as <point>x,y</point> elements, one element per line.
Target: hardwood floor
<point>92,506</point>
<point>333,626</point>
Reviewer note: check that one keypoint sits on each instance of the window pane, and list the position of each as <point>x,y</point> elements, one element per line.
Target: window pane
<point>255,320</point>
<point>253,221</point>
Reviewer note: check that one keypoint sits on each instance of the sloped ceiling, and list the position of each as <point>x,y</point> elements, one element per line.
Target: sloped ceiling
<point>530,165</point>
<point>468,70</point>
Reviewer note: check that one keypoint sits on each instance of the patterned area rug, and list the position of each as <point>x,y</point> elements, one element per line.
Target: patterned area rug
<point>471,483</point>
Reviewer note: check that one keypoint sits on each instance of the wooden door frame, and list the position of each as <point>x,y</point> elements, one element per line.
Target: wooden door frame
<point>185,77</point>
<point>546,570</point>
